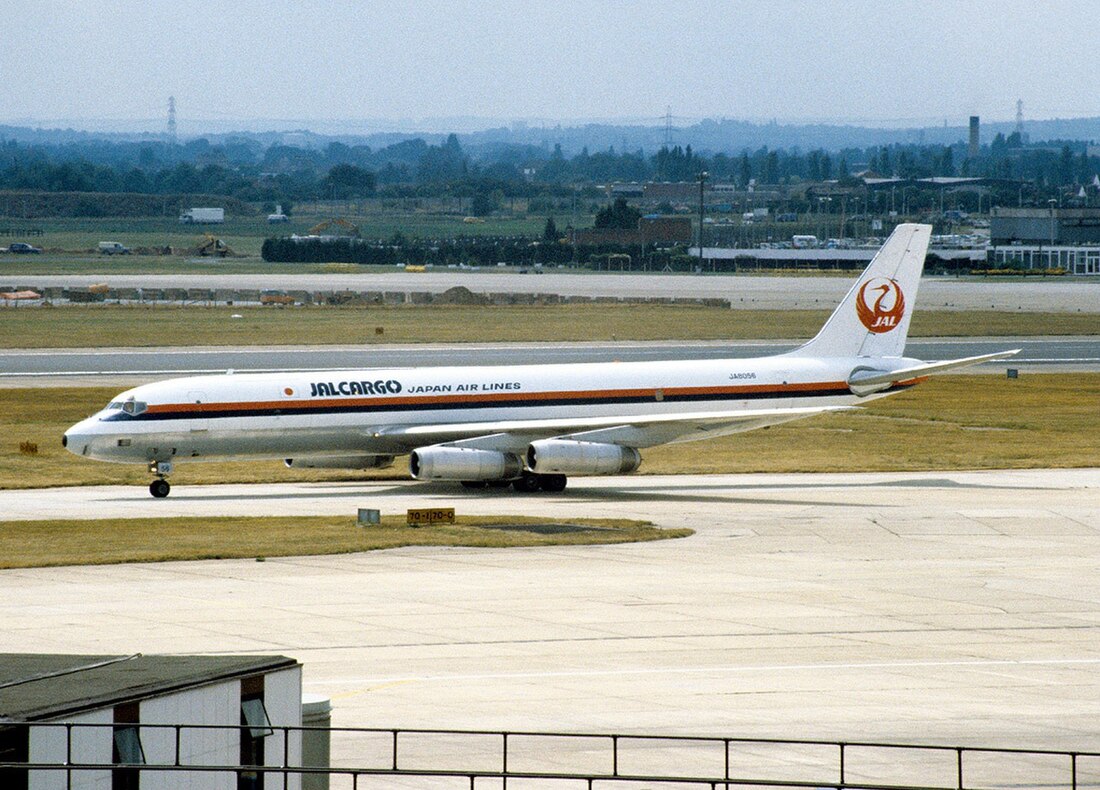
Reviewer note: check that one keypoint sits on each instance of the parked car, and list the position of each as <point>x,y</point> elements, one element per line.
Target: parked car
<point>22,248</point>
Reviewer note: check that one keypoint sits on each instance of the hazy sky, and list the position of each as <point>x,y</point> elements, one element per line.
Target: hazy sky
<point>881,61</point>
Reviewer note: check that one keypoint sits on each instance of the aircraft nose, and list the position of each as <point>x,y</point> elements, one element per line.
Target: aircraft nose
<point>77,439</point>
<point>71,441</point>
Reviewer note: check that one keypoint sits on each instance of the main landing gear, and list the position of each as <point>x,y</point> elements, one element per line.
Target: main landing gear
<point>528,483</point>
<point>159,488</point>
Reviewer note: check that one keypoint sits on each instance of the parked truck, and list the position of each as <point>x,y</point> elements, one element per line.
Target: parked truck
<point>203,216</point>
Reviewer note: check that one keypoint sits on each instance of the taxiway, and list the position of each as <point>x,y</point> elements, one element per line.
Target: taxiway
<point>931,607</point>
<point>744,291</point>
<point>106,365</point>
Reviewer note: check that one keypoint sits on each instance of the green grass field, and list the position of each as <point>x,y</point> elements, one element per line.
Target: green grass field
<point>949,422</point>
<point>80,236</point>
<point>69,244</point>
<point>112,325</point>
<point>36,544</point>
<point>65,238</point>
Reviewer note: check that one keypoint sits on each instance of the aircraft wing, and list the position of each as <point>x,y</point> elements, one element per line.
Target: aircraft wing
<point>634,431</point>
<point>870,378</point>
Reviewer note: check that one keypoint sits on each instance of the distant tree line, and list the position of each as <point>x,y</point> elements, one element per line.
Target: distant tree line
<point>247,171</point>
<point>113,204</point>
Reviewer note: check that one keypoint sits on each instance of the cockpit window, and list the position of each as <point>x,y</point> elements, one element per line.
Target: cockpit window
<point>133,407</point>
<point>114,405</point>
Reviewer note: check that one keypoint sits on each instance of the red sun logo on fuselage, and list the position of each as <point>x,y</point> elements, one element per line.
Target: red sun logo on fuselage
<point>880,305</point>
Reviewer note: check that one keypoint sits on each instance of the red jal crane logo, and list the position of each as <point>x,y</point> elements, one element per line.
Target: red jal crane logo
<point>883,312</point>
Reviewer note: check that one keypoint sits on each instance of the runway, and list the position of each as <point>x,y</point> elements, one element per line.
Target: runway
<point>929,607</point>
<point>744,291</point>
<point>32,367</point>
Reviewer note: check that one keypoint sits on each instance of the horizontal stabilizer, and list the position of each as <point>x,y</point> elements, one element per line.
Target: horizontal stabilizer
<point>869,378</point>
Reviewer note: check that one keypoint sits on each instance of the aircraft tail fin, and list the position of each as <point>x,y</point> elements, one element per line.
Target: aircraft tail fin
<point>873,319</point>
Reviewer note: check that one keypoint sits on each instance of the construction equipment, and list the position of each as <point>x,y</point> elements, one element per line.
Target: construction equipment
<point>276,297</point>
<point>321,229</point>
<point>212,247</point>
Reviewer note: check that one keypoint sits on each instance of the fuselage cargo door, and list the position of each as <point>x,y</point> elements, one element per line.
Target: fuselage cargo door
<point>199,421</point>
<point>783,389</point>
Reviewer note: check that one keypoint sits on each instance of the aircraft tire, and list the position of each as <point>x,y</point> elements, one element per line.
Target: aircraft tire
<point>552,484</point>
<point>529,483</point>
<point>159,488</point>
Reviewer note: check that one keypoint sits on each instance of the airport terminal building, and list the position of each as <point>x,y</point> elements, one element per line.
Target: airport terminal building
<point>1050,238</point>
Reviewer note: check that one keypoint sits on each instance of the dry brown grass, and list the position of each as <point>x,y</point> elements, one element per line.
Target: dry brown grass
<point>949,422</point>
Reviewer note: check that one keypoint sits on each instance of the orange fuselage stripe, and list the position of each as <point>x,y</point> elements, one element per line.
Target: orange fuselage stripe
<point>383,401</point>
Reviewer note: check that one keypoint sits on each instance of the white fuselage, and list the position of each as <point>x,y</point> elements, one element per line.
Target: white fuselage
<point>371,412</point>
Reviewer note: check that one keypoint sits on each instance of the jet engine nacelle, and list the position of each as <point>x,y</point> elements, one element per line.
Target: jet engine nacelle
<point>340,462</point>
<point>561,456</point>
<point>463,463</point>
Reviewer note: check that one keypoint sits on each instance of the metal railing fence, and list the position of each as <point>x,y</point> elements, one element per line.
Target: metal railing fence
<point>843,765</point>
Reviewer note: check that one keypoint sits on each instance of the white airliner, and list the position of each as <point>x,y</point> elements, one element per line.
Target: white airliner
<point>530,425</point>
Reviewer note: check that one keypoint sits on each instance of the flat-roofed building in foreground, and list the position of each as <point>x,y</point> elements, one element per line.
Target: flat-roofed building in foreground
<point>94,709</point>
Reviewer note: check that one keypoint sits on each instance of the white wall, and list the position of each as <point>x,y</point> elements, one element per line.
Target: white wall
<point>283,700</point>
<point>89,745</point>
<point>217,704</point>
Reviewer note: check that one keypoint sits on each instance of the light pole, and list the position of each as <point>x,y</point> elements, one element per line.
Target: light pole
<point>821,201</point>
<point>573,229</point>
<point>703,175</point>
<point>1052,203</point>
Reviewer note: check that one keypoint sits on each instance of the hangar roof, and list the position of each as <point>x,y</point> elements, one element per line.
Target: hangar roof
<point>41,687</point>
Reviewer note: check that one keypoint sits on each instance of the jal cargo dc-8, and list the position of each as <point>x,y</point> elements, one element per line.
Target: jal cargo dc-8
<point>529,425</point>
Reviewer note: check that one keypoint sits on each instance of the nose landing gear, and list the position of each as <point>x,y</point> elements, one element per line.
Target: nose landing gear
<point>159,488</point>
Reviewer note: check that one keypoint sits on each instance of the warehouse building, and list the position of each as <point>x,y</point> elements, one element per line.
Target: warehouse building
<point>94,709</point>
